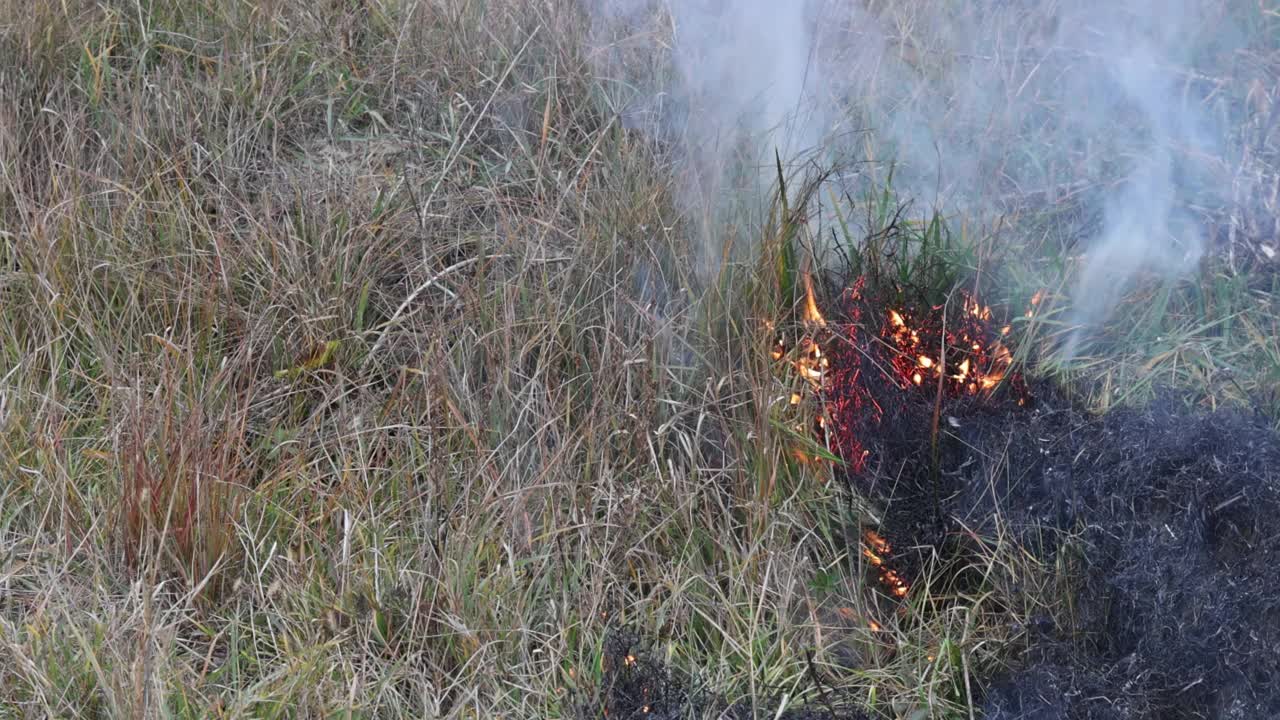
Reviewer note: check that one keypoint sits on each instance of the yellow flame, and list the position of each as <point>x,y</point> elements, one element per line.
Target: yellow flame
<point>811,304</point>
<point>877,541</point>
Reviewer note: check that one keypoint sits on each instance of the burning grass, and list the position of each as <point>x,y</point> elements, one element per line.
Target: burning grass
<point>850,365</point>
<point>1133,508</point>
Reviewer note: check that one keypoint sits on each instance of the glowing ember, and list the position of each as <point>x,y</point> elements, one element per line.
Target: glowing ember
<point>837,371</point>
<point>876,549</point>
<point>961,355</point>
<point>976,358</point>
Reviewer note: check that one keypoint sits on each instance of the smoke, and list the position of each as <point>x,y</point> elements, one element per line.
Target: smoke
<point>1147,223</point>
<point>728,83</point>
<point>975,105</point>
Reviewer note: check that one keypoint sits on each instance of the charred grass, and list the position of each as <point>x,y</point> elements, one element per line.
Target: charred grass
<point>355,361</point>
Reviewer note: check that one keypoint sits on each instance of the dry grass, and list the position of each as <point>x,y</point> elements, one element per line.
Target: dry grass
<point>348,371</point>
<point>349,366</point>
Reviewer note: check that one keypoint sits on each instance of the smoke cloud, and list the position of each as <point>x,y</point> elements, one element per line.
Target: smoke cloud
<point>729,84</point>
<point>976,105</point>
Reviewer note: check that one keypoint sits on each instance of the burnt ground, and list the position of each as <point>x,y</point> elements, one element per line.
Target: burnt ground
<point>1168,522</point>
<point>1178,517</point>
<point>1161,526</point>
<point>638,687</point>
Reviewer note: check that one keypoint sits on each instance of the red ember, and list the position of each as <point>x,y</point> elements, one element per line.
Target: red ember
<point>956,354</point>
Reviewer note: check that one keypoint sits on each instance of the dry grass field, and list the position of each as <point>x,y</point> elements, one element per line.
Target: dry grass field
<point>357,360</point>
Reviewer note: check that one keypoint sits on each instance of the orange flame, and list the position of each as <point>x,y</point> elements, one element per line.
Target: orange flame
<point>877,541</point>
<point>1035,303</point>
<point>977,359</point>
<point>965,354</point>
<point>877,550</point>
<point>811,312</point>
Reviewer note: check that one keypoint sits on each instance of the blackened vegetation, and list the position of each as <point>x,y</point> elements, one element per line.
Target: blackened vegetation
<point>1160,527</point>
<point>1175,517</point>
<point>635,685</point>
<point>1164,525</point>
<point>638,687</point>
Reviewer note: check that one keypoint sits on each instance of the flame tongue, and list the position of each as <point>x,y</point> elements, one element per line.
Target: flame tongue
<point>811,313</point>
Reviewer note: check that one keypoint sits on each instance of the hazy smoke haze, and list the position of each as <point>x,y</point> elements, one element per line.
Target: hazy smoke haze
<point>973,103</point>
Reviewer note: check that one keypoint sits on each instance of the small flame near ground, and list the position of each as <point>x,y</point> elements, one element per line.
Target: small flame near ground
<point>961,354</point>
<point>811,313</point>
<point>969,358</point>
<point>877,550</point>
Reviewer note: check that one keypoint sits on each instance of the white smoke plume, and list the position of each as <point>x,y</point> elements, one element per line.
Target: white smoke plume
<point>972,102</point>
<point>728,83</point>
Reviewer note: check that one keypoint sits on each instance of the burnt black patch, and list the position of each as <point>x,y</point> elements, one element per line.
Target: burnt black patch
<point>1166,521</point>
<point>1162,523</point>
<point>1159,527</point>
<point>637,686</point>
